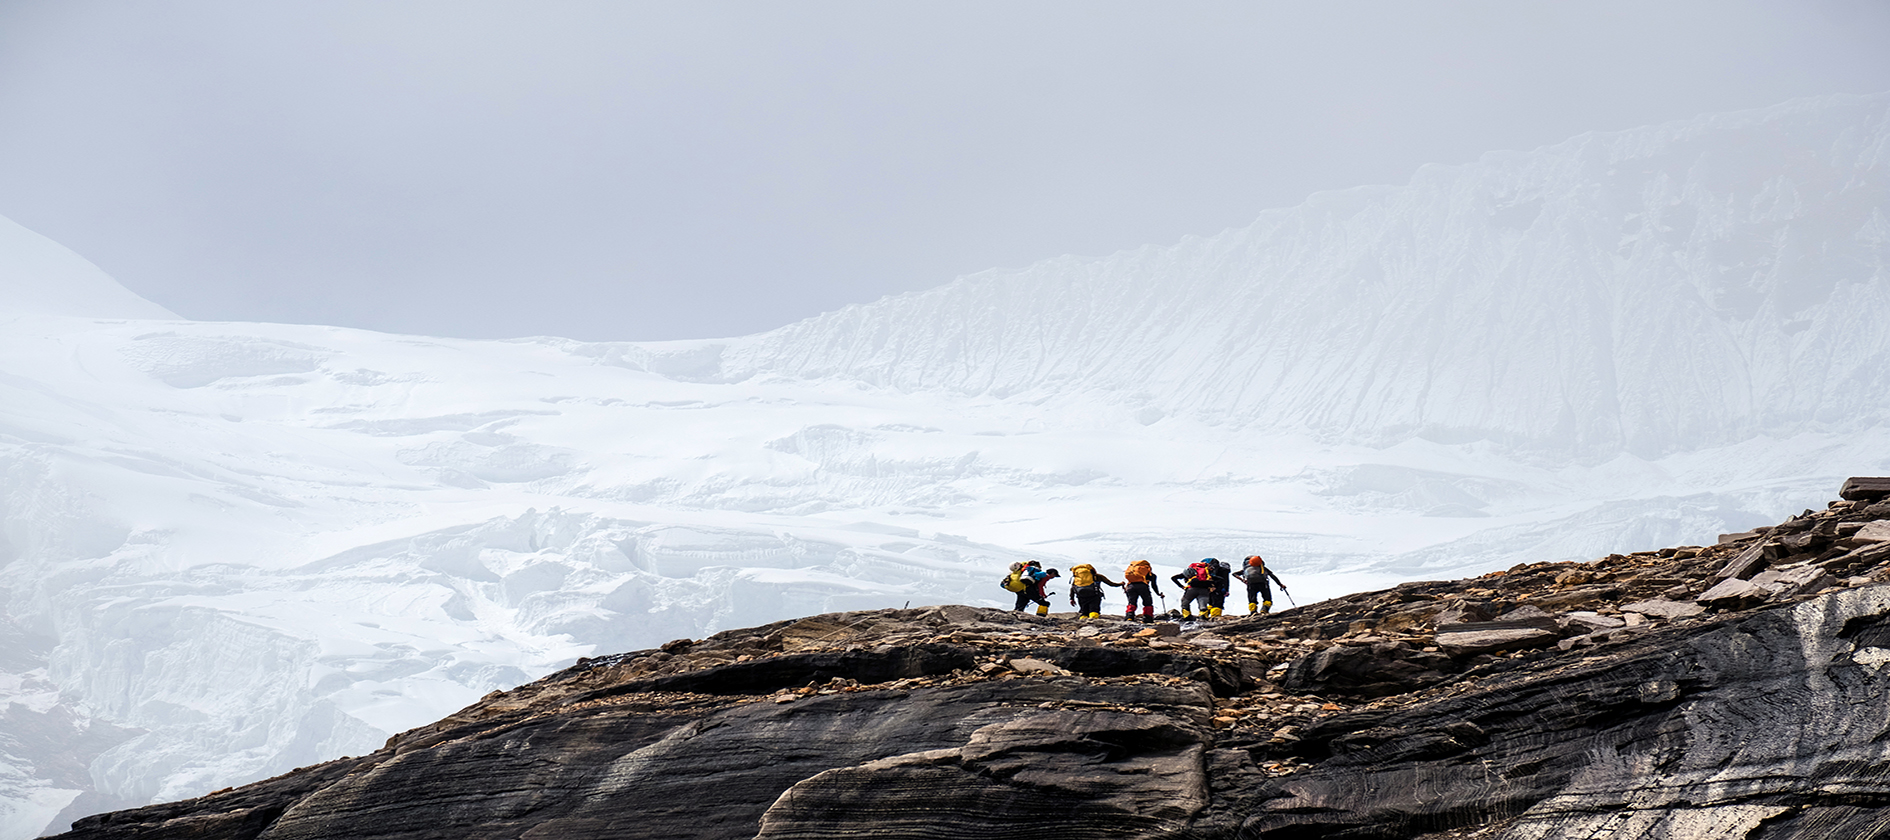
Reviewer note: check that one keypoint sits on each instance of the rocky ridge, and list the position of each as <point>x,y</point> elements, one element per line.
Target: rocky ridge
<point>1731,690</point>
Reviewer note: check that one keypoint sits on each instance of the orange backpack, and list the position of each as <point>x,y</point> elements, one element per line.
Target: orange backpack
<point>1138,572</point>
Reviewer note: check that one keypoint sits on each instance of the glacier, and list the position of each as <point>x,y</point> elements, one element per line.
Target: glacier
<point>233,549</point>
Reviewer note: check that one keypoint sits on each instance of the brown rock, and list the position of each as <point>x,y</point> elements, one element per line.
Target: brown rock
<point>1749,562</point>
<point>1462,612</point>
<point>1861,489</point>
<point>1472,641</point>
<point>1801,580</point>
<point>1026,665</point>
<point>1591,622</point>
<point>1662,608</point>
<point>1733,593</point>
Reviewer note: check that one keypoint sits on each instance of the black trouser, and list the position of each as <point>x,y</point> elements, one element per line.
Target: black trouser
<point>1139,590</point>
<point>1088,598</point>
<point>1033,592</point>
<point>1218,598</point>
<point>1261,588</point>
<point>1197,594</point>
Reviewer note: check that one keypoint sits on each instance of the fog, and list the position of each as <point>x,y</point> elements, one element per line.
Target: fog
<point>671,170</point>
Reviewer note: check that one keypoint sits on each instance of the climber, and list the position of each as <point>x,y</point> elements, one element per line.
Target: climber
<point>1136,582</point>
<point>1034,577</point>
<point>1198,580</point>
<point>1086,586</point>
<point>1217,596</point>
<point>1259,594</point>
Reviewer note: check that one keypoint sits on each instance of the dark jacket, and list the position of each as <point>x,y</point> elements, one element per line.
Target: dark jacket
<point>1220,571</point>
<point>1247,573</point>
<point>1186,579</point>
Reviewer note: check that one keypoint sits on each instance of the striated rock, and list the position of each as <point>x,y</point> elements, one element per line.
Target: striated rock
<point>1873,532</point>
<point>1749,562</point>
<point>1377,670</point>
<point>1489,636</point>
<point>1112,774</point>
<point>1462,612</point>
<point>1790,582</point>
<point>1547,768</point>
<point>1865,489</point>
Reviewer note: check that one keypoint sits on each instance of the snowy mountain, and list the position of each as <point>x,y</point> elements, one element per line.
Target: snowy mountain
<point>1651,291</point>
<point>233,549</point>
<point>41,277</point>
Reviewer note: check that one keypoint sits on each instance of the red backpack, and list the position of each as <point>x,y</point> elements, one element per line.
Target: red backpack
<point>1201,572</point>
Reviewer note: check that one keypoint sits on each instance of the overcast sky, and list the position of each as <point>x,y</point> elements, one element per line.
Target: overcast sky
<point>620,170</point>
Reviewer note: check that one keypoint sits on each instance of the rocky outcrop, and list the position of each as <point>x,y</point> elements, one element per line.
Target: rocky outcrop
<point>1627,697</point>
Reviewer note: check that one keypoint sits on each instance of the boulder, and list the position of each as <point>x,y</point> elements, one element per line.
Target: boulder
<point>1526,612</point>
<point>1588,622</point>
<point>1535,620</point>
<point>1859,558</point>
<point>1874,532</point>
<point>1749,562</point>
<point>1462,612</point>
<point>1861,489</point>
<point>1733,593</point>
<point>1663,608</point>
<point>1801,580</point>
<point>1027,665</point>
<point>1468,640</point>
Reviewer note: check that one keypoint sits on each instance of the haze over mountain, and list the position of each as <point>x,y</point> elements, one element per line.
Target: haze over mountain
<point>234,549</point>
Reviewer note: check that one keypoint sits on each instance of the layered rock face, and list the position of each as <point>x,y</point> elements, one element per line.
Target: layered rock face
<point>1619,697</point>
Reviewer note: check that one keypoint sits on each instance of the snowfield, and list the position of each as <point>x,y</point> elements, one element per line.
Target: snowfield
<point>234,549</point>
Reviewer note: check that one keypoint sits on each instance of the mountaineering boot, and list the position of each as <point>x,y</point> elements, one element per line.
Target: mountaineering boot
<point>1129,614</point>
<point>1266,607</point>
<point>1252,608</point>
<point>1214,612</point>
<point>1043,609</point>
<point>1186,615</point>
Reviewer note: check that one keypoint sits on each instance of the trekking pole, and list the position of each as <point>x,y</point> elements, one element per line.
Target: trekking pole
<point>1289,596</point>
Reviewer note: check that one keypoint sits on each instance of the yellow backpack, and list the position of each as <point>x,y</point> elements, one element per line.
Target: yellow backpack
<point>1014,581</point>
<point>1083,575</point>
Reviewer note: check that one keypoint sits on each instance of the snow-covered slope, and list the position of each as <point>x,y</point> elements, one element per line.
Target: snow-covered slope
<point>231,549</point>
<point>41,277</point>
<point>1650,291</point>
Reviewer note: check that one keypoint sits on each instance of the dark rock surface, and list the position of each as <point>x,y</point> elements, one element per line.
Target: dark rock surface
<point>1865,488</point>
<point>1642,704</point>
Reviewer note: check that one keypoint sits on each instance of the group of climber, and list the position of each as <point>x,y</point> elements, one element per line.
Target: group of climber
<point>1204,584</point>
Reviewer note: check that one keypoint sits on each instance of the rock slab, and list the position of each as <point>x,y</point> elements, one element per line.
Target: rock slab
<point>1865,489</point>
